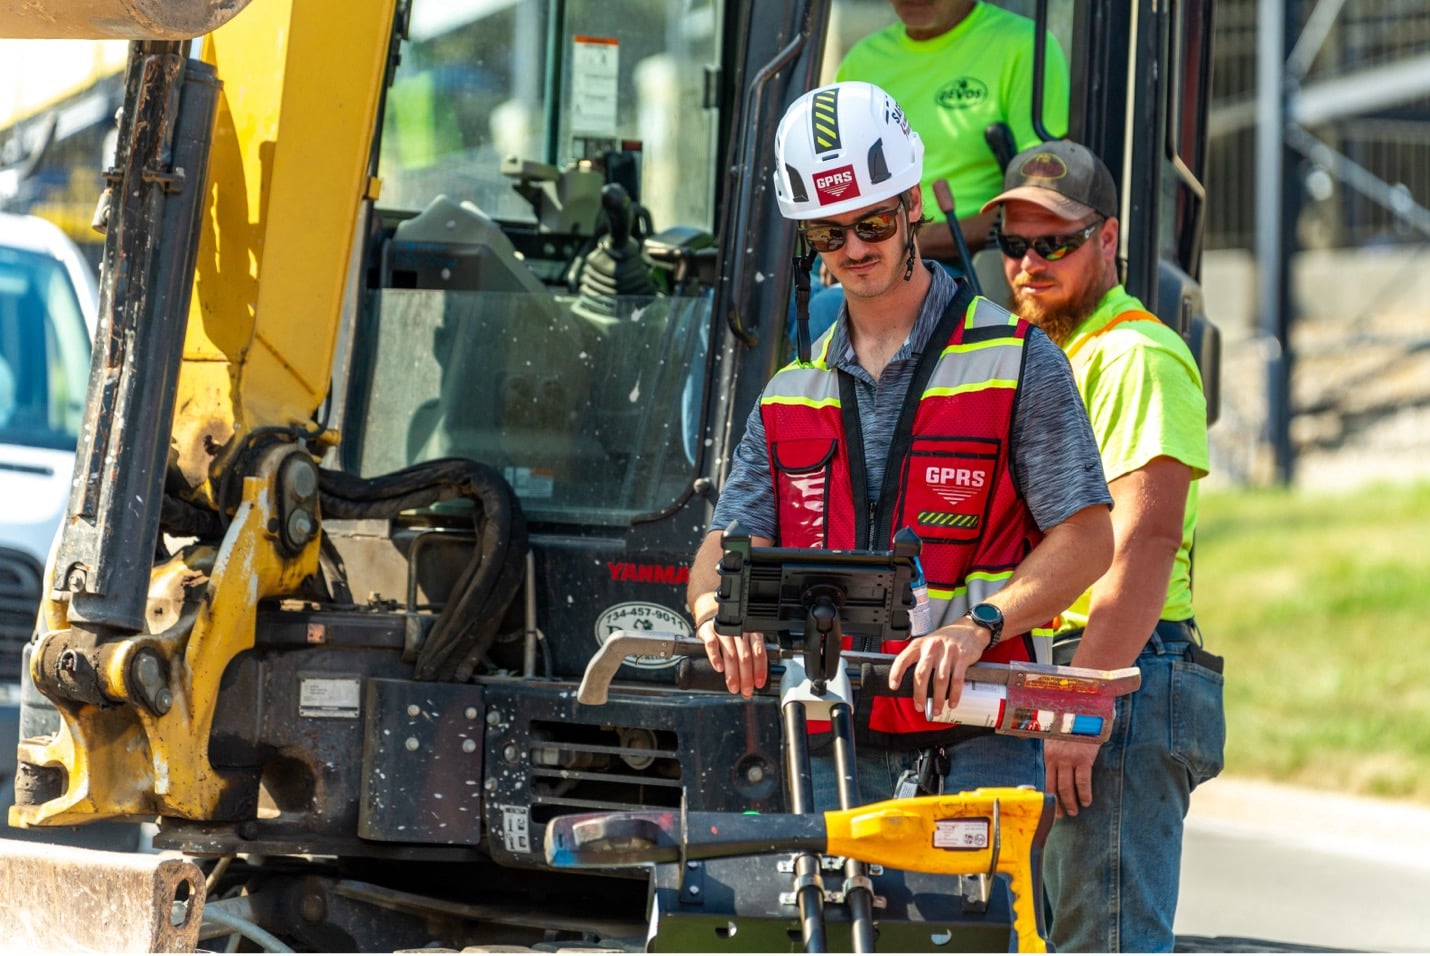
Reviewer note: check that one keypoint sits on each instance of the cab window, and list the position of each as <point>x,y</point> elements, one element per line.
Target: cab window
<point>541,179</point>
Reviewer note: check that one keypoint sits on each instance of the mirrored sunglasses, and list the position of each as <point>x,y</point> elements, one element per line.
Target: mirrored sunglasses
<point>875,227</point>
<point>1051,248</point>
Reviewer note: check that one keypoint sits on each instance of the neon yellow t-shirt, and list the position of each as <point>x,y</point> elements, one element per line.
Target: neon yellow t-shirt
<point>1144,397</point>
<point>954,86</point>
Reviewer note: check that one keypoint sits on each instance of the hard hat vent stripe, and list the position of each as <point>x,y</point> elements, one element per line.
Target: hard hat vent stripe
<point>824,118</point>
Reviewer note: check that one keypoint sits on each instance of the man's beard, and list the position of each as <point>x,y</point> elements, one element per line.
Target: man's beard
<point>1059,319</point>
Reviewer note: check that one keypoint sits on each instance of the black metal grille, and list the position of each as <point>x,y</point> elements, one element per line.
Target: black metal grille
<point>20,577</point>
<point>579,768</point>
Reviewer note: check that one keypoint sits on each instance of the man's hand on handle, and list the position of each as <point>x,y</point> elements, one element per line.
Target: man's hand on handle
<point>940,659</point>
<point>741,658</point>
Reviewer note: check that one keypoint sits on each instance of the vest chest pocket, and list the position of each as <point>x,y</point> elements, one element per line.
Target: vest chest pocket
<point>802,473</point>
<point>949,487</point>
<point>801,456</point>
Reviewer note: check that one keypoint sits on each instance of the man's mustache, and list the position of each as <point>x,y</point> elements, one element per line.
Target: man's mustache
<point>860,262</point>
<point>1024,279</point>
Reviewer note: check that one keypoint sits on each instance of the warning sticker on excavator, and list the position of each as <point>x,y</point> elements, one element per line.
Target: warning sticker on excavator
<point>595,72</point>
<point>329,697</point>
<point>530,482</point>
<point>516,829</point>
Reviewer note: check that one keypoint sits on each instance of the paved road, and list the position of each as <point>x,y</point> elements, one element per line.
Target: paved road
<point>1304,867</point>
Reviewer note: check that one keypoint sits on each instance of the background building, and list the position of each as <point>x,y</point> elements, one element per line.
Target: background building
<point>58,100</point>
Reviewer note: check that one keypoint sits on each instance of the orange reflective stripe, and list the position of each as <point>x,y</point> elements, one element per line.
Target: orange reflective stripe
<point>1136,315</point>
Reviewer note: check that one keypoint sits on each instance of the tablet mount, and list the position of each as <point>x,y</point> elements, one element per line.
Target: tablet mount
<point>813,599</point>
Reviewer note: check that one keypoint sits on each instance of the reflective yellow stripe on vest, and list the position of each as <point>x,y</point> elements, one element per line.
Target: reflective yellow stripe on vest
<point>989,364</point>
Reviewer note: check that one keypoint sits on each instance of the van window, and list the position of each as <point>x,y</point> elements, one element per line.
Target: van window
<point>44,352</point>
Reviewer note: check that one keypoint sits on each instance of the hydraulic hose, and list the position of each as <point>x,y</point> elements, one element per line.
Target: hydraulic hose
<point>468,624</point>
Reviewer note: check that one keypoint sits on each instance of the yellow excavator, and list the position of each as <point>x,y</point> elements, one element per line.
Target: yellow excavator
<point>427,331</point>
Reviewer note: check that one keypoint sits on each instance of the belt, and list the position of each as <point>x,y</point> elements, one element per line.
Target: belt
<point>1165,638</point>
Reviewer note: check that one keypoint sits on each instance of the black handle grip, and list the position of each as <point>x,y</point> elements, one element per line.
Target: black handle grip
<point>699,674</point>
<point>999,137</point>
<point>874,681</point>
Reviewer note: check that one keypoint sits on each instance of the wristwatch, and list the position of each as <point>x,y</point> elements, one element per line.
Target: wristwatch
<point>989,616</point>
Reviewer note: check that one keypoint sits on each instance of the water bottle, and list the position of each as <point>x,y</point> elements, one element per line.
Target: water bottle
<point>921,617</point>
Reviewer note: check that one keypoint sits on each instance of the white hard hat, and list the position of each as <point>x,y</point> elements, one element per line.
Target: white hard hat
<point>844,147</point>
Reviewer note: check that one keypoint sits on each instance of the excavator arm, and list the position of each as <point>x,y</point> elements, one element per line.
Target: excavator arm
<point>262,179</point>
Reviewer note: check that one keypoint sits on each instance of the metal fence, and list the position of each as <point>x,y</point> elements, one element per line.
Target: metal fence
<point>1348,52</point>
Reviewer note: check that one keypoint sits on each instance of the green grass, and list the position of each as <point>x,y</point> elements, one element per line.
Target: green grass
<point>1320,604</point>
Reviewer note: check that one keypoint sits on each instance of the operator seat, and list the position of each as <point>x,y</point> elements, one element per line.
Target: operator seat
<point>513,378</point>
<point>455,246</point>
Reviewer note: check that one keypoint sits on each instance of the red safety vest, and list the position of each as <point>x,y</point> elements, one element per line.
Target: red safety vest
<point>948,477</point>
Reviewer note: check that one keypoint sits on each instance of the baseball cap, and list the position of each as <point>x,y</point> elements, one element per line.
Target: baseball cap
<point>1062,176</point>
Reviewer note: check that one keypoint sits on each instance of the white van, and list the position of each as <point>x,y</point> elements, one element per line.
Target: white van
<point>48,308</point>
<point>48,304</point>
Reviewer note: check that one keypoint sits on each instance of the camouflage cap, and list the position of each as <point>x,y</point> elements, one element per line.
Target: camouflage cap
<point>1061,176</point>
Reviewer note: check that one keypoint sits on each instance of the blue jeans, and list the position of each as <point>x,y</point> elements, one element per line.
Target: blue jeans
<point>1111,873</point>
<point>993,760</point>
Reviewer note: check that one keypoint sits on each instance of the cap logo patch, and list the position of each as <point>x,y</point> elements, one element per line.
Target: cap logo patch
<point>824,119</point>
<point>1043,166</point>
<point>835,185</point>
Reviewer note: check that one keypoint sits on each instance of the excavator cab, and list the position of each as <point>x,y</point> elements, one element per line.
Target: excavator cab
<point>427,331</point>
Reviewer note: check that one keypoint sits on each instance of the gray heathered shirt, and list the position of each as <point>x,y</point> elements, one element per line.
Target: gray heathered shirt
<point>1053,456</point>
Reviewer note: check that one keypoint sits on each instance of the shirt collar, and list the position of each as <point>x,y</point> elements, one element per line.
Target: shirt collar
<point>942,288</point>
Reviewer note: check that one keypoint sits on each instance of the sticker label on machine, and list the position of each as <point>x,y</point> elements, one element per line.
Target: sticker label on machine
<point>329,697</point>
<point>530,482</point>
<point>515,829</point>
<point>960,834</point>
<point>639,617</point>
<point>595,63</point>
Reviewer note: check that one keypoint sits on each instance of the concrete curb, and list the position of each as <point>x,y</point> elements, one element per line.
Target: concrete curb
<point>1329,822</point>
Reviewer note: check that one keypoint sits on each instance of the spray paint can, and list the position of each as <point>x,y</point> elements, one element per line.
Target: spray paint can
<point>980,705</point>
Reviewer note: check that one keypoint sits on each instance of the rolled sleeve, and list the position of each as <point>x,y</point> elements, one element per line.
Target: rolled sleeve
<point>747,495</point>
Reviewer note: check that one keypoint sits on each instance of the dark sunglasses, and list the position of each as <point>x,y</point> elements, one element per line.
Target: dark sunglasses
<point>875,227</point>
<point>1051,248</point>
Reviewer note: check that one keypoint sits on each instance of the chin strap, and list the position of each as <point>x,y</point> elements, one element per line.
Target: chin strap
<point>803,263</point>
<point>909,243</point>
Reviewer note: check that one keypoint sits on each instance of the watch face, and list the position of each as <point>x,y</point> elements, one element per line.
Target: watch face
<point>987,614</point>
